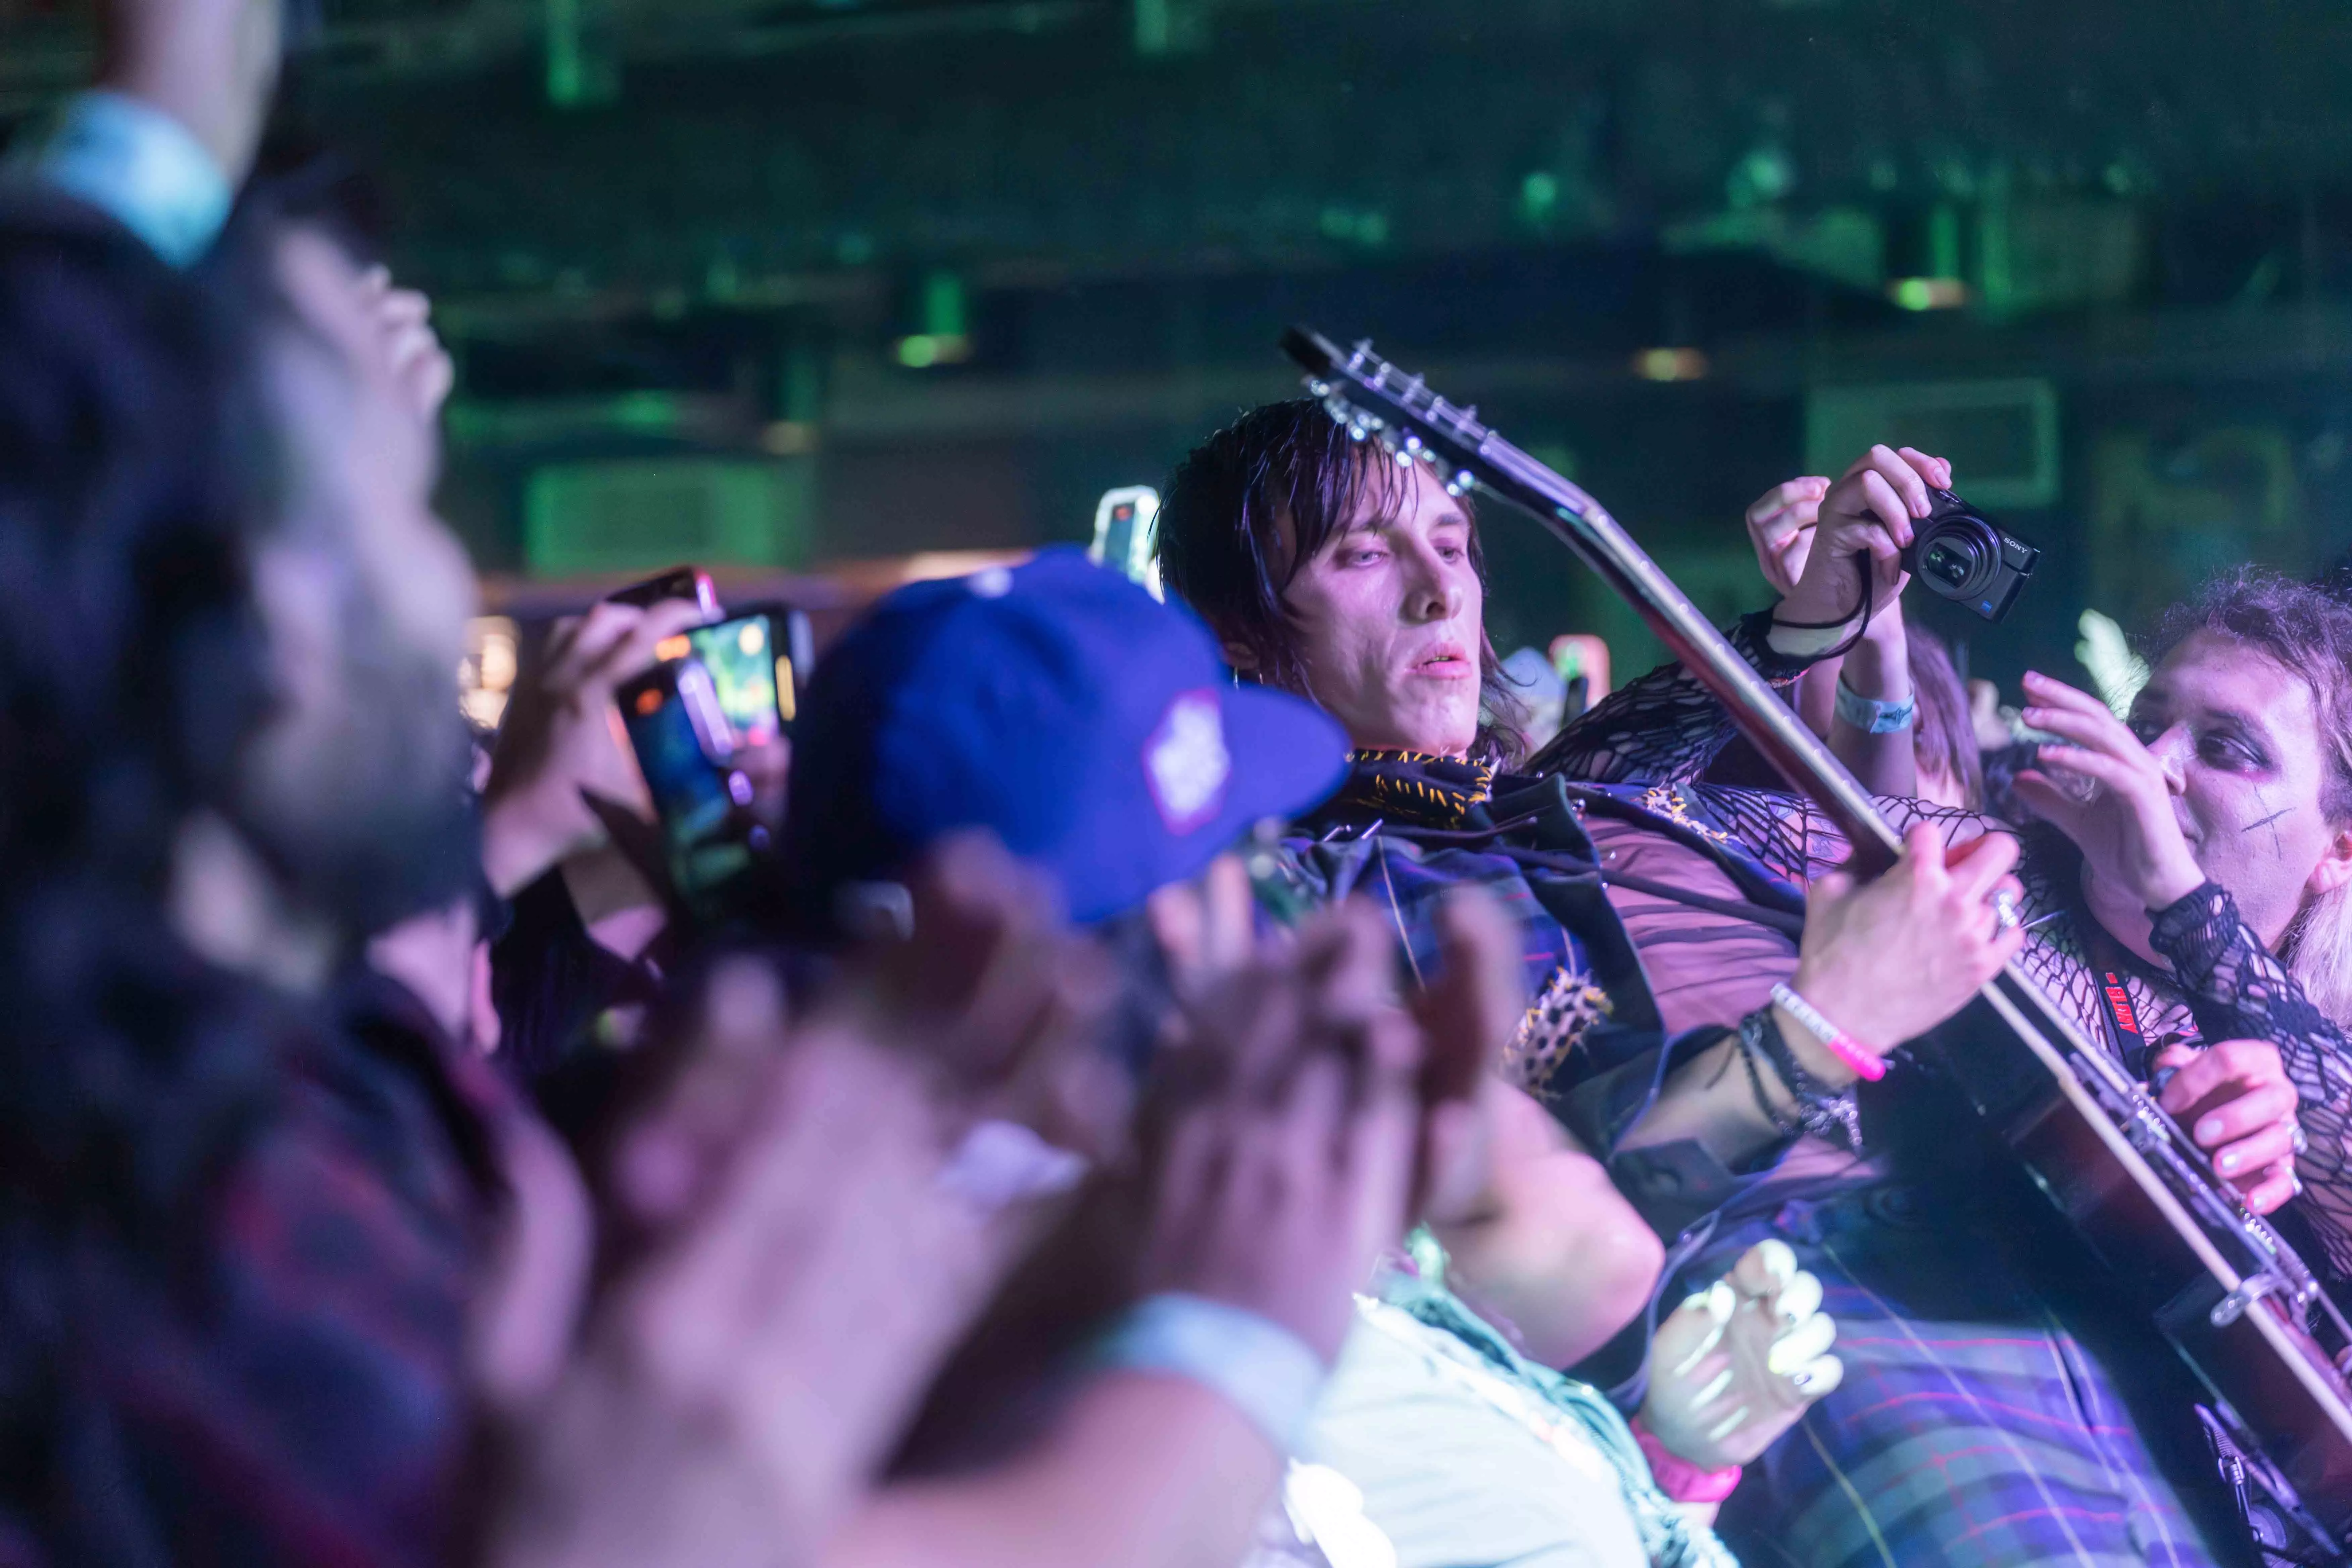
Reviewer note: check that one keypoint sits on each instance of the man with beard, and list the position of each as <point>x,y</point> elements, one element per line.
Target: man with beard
<point>247,1212</point>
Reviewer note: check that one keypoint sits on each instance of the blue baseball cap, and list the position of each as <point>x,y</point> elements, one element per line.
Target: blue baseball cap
<point>1090,727</point>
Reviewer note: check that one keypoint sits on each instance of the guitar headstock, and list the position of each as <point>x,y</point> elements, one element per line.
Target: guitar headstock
<point>1376,401</point>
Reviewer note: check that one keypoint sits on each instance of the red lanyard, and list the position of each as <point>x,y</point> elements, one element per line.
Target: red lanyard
<point>2126,1015</point>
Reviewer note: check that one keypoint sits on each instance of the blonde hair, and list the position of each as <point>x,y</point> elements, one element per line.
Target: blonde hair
<point>2317,951</point>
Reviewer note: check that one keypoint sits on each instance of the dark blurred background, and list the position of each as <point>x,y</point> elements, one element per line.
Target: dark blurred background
<point>787,282</point>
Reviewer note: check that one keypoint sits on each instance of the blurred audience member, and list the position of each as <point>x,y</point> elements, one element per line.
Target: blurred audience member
<point>587,951</point>
<point>229,620</point>
<point>803,1221</point>
<point>1060,706</point>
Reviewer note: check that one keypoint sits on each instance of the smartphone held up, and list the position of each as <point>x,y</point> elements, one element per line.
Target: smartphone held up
<point>711,726</point>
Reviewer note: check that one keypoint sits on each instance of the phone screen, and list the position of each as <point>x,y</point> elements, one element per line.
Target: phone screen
<point>757,662</point>
<point>683,743</point>
<point>740,656</point>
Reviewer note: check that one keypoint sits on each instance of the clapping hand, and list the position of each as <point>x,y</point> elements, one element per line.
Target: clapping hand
<point>805,1253</point>
<point>1289,1129</point>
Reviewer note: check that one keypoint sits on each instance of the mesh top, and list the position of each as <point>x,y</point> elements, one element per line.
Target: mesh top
<point>2225,983</point>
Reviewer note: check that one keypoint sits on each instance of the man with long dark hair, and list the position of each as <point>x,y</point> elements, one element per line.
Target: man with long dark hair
<point>1652,899</point>
<point>1325,567</point>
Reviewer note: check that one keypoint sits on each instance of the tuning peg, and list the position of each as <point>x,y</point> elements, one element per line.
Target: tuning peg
<point>1362,352</point>
<point>1317,387</point>
<point>1460,484</point>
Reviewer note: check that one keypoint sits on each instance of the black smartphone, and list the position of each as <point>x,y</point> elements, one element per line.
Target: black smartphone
<point>678,582</point>
<point>688,749</point>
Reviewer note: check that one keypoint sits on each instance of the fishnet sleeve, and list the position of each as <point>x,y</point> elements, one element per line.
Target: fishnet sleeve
<point>1665,727</point>
<point>2238,990</point>
<point>1792,837</point>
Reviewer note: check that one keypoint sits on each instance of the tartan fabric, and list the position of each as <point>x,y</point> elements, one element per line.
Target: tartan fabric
<point>1973,1429</point>
<point>301,1398</point>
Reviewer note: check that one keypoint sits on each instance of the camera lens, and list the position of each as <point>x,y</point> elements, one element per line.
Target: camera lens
<point>1955,556</point>
<point>1947,562</point>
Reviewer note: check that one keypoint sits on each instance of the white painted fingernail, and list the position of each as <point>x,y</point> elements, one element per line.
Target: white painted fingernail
<point>1699,1352</point>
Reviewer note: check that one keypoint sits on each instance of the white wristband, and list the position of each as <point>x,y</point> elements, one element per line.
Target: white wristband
<point>1873,718</point>
<point>1256,1365</point>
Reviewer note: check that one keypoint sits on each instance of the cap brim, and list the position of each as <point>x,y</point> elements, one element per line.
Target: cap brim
<point>1288,757</point>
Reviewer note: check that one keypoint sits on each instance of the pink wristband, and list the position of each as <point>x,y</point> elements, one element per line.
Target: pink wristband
<point>1679,1477</point>
<point>1836,1041</point>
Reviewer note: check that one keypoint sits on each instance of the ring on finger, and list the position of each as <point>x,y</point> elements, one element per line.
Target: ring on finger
<point>2297,1139</point>
<point>2004,910</point>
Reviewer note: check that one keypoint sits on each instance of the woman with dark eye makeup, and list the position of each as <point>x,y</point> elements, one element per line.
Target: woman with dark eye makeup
<point>2206,861</point>
<point>2188,898</point>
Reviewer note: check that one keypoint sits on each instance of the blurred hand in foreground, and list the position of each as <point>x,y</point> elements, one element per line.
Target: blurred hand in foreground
<point>814,1242</point>
<point>1293,1130</point>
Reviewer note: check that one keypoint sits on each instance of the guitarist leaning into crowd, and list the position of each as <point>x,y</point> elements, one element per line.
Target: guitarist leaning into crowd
<point>1978,1422</point>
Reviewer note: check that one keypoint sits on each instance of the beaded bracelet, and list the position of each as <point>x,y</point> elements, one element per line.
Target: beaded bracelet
<point>1826,1113</point>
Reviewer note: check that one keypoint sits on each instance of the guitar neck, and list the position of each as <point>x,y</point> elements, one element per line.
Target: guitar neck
<point>1771,724</point>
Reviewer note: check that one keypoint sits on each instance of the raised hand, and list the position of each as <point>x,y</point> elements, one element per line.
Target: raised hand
<point>1891,959</point>
<point>420,366</point>
<point>1734,1366</point>
<point>2238,1106</point>
<point>1467,1015</point>
<point>1869,512</point>
<point>2101,787</point>
<point>1780,526</point>
<point>563,735</point>
<point>212,64</point>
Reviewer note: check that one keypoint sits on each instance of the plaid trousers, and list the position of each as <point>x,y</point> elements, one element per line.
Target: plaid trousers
<point>1973,1429</point>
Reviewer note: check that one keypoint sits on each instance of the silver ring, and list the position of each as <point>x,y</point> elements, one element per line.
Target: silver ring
<point>2004,910</point>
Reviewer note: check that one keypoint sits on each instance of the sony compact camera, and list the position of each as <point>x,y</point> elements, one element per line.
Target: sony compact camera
<point>1959,555</point>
